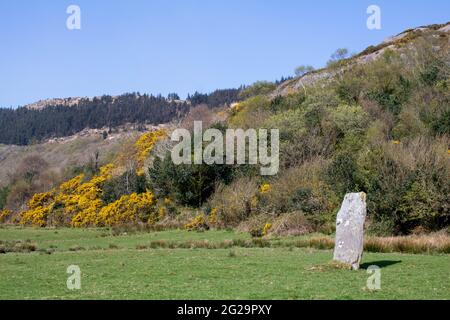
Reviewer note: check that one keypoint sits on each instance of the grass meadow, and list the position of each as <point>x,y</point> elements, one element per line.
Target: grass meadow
<point>202,265</point>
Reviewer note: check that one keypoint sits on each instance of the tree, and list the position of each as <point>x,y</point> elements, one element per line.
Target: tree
<point>339,55</point>
<point>258,88</point>
<point>302,70</point>
<point>4,191</point>
<point>173,96</point>
<point>31,167</point>
<point>188,184</point>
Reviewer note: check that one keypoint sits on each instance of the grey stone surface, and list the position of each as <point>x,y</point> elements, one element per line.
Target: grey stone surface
<point>350,219</point>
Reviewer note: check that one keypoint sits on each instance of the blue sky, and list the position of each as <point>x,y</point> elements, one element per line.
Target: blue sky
<point>181,46</point>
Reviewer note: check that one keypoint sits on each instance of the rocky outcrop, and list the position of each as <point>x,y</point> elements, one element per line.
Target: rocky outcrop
<point>366,56</point>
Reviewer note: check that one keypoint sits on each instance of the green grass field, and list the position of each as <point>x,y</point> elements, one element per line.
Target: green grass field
<point>116,267</point>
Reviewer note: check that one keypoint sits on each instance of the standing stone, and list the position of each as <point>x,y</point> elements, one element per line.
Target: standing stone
<point>348,247</point>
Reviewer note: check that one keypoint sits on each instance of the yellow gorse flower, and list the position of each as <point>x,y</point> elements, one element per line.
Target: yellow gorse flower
<point>266,228</point>
<point>129,208</point>
<point>212,218</point>
<point>265,188</point>
<point>80,202</point>
<point>144,145</point>
<point>4,214</point>
<point>197,223</point>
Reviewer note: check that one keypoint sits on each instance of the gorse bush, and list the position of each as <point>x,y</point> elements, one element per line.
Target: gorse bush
<point>82,202</point>
<point>128,209</point>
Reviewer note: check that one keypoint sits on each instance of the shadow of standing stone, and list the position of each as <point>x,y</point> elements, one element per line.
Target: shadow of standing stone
<point>350,219</point>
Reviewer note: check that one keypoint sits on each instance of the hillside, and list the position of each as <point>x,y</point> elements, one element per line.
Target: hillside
<point>66,152</point>
<point>377,122</point>
<point>370,54</point>
<point>53,118</point>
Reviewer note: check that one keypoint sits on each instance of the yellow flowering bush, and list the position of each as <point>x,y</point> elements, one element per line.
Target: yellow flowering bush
<point>265,188</point>
<point>212,218</point>
<point>39,207</point>
<point>266,228</point>
<point>36,217</point>
<point>235,108</point>
<point>40,199</point>
<point>4,215</point>
<point>144,145</point>
<point>79,203</point>
<point>198,223</point>
<point>129,208</point>
<point>85,203</point>
<point>162,212</point>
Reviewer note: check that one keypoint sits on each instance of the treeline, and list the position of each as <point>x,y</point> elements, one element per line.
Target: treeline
<point>217,98</point>
<point>23,126</point>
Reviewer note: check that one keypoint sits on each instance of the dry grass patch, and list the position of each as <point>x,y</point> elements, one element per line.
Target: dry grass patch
<point>432,243</point>
<point>17,246</point>
<point>292,224</point>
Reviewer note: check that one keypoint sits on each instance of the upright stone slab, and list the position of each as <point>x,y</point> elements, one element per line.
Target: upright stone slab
<point>350,219</point>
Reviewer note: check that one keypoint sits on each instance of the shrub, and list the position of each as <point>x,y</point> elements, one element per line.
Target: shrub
<point>347,118</point>
<point>408,184</point>
<point>128,209</point>
<point>289,102</point>
<point>199,223</point>
<point>440,123</point>
<point>258,88</point>
<point>266,229</point>
<point>292,224</point>
<point>127,183</point>
<point>17,246</point>
<point>189,184</point>
<point>235,202</point>
<point>5,215</point>
<point>251,113</point>
<point>349,86</point>
<point>256,232</point>
<point>302,189</point>
<point>4,191</point>
<point>409,125</point>
<point>254,223</point>
<point>342,174</point>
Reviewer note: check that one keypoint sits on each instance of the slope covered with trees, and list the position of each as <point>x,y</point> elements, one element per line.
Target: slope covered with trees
<point>24,125</point>
<point>380,127</point>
